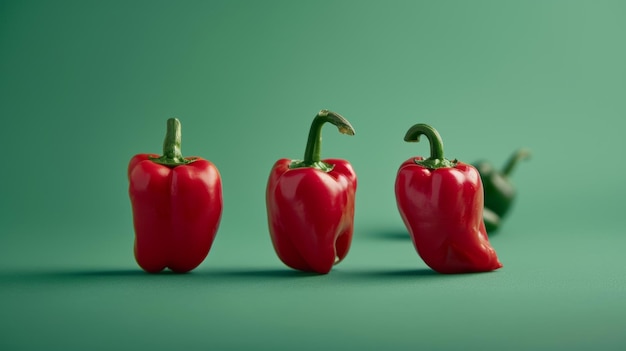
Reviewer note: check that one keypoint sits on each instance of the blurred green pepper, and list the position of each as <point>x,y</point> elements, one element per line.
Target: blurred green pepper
<point>499,191</point>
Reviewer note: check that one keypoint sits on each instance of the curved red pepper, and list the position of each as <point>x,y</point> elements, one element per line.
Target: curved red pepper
<point>177,205</point>
<point>310,204</point>
<point>441,203</point>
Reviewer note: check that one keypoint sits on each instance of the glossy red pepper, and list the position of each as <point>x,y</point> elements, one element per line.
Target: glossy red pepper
<point>441,204</point>
<point>177,205</point>
<point>310,204</point>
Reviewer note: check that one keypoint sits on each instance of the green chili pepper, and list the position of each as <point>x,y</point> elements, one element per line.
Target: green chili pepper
<point>499,191</point>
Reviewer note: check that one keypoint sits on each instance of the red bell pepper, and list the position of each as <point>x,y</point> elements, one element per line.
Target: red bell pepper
<point>177,205</point>
<point>441,204</point>
<point>310,204</point>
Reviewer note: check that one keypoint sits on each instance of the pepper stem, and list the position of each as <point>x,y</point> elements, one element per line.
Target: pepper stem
<point>436,159</point>
<point>313,148</point>
<point>172,155</point>
<point>517,156</point>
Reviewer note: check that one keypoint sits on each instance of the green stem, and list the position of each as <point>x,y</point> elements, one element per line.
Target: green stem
<point>172,155</point>
<point>436,159</point>
<point>312,152</point>
<point>519,155</point>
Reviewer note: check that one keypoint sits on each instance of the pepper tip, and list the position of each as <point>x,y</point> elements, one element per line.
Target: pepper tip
<point>323,113</point>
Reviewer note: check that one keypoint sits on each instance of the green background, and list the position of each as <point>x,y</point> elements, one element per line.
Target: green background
<point>85,85</point>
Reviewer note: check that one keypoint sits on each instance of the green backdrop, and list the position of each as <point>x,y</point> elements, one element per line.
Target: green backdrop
<point>85,85</point>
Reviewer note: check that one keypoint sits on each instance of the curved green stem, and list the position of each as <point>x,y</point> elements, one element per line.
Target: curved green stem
<point>172,155</point>
<point>519,155</point>
<point>436,159</point>
<point>312,152</point>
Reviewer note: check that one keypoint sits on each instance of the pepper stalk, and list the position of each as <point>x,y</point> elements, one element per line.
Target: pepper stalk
<point>519,155</point>
<point>312,152</point>
<point>172,154</point>
<point>436,159</point>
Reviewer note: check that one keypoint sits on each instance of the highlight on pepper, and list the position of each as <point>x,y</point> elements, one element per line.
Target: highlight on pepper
<point>176,204</point>
<point>441,204</point>
<point>310,203</point>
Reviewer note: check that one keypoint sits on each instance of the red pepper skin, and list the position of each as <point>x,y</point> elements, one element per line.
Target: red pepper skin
<point>442,209</point>
<point>311,214</point>
<point>176,210</point>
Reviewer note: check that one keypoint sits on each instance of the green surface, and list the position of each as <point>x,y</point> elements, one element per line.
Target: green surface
<point>85,85</point>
